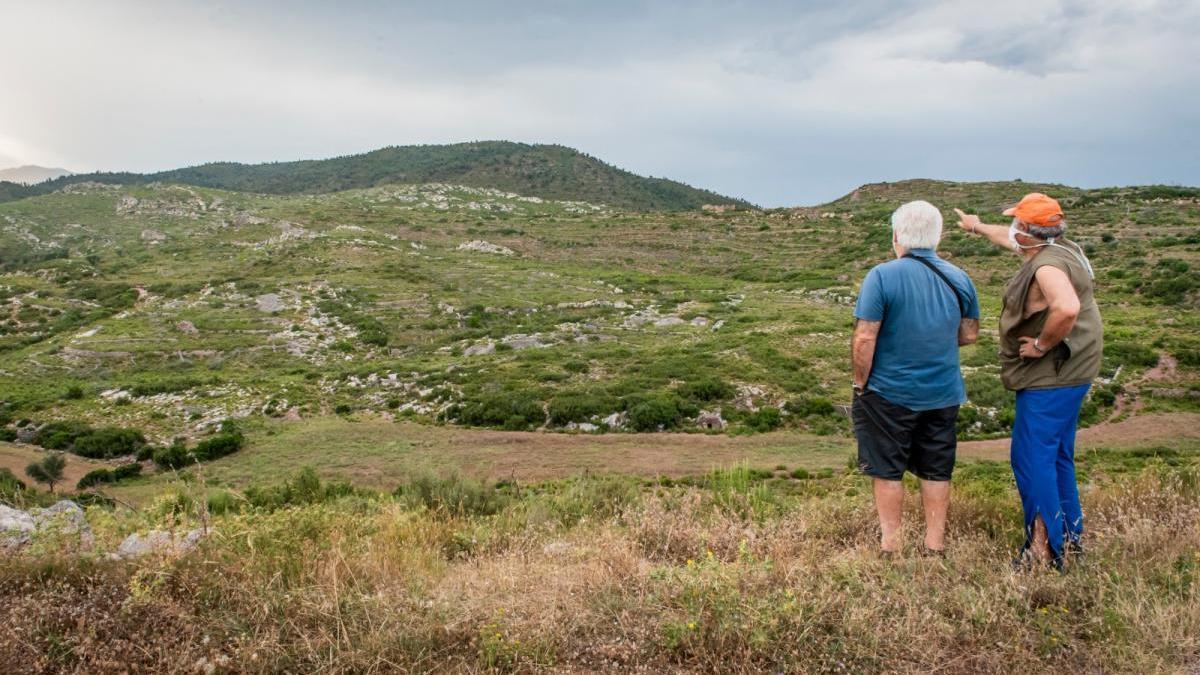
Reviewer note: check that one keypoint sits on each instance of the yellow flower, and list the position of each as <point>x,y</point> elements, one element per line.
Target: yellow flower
<point>691,625</point>
<point>691,563</point>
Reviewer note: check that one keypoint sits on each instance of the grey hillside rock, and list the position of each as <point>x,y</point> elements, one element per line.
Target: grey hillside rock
<point>158,542</point>
<point>65,521</point>
<point>16,529</point>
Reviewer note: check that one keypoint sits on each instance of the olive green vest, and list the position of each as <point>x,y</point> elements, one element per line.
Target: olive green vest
<point>1076,359</point>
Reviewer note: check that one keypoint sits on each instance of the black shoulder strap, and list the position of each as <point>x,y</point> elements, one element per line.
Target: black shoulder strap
<point>962,308</point>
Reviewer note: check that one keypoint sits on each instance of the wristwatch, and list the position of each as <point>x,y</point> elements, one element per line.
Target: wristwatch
<point>1038,346</point>
<point>857,388</point>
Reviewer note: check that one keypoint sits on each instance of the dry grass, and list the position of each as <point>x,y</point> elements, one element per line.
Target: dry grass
<point>728,577</point>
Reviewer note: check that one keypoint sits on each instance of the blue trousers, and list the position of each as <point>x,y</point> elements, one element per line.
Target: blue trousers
<point>1043,461</point>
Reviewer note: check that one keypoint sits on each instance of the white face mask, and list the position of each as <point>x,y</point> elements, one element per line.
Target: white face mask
<point>1077,252</point>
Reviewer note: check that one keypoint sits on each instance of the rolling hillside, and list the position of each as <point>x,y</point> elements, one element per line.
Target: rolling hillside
<point>546,171</point>
<point>168,308</point>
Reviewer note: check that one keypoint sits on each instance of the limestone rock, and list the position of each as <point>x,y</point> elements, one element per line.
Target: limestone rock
<point>480,349</point>
<point>16,529</point>
<point>710,420</point>
<point>64,519</point>
<point>617,420</point>
<point>158,542</point>
<point>480,246</point>
<point>186,327</point>
<point>268,302</point>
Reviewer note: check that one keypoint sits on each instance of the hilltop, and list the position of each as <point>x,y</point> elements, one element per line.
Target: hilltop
<point>30,174</point>
<point>545,171</point>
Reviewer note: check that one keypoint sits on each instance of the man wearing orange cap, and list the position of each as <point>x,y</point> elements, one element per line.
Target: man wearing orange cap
<point>1051,342</point>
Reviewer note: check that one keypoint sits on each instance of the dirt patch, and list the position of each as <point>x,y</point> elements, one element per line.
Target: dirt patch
<point>16,457</point>
<point>1139,430</point>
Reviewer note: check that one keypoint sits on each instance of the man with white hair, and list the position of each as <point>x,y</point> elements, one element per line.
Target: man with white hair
<point>912,315</point>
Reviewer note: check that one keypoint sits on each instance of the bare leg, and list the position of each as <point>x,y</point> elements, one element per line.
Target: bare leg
<point>889,502</point>
<point>935,497</point>
<point>1040,543</point>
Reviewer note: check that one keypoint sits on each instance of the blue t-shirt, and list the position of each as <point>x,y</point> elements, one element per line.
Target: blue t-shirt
<point>916,353</point>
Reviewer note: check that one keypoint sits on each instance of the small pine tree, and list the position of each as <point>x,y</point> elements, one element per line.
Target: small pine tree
<point>48,471</point>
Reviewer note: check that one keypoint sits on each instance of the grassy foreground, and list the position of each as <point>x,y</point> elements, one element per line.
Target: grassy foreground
<point>738,570</point>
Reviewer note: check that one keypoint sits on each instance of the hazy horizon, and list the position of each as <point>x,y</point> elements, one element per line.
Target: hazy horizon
<point>764,101</point>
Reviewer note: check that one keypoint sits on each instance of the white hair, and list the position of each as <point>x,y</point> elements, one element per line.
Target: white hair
<point>917,225</point>
<point>1042,231</point>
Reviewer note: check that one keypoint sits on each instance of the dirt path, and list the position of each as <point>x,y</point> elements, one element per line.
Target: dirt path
<point>1129,400</point>
<point>1134,430</point>
<point>380,453</point>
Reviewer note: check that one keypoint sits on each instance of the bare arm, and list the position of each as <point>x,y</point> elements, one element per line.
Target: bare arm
<point>997,234</point>
<point>1062,305</point>
<point>862,349</point>
<point>968,332</point>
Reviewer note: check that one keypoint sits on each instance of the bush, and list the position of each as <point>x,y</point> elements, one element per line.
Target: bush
<point>706,389</point>
<point>578,407</point>
<point>220,445</point>
<point>60,435</point>
<point>1131,354</point>
<point>815,406</point>
<point>510,410</point>
<point>11,488</point>
<point>452,495</point>
<point>658,412</point>
<point>73,393</point>
<point>305,487</point>
<point>7,434</point>
<point>108,442</point>
<point>174,456</point>
<point>100,476</point>
<point>763,419</point>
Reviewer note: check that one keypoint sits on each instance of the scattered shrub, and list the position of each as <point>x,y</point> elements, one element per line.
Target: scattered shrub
<point>578,407</point>
<point>811,406</point>
<point>452,495</point>
<point>101,476</point>
<point>108,442</point>
<point>174,456</point>
<point>656,413</point>
<point>510,410</point>
<point>763,419</point>
<point>706,389</point>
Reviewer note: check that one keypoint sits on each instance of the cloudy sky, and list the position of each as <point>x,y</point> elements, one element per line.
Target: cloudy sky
<point>782,103</point>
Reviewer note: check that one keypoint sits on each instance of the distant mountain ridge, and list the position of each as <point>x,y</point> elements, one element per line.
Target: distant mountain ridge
<point>546,171</point>
<point>30,174</point>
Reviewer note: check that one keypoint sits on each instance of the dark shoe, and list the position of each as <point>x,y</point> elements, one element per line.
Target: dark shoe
<point>1075,549</point>
<point>1026,561</point>
<point>933,552</point>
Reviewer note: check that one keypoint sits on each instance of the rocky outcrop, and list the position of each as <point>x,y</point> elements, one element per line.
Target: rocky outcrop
<point>158,542</point>
<point>16,529</point>
<point>711,421</point>
<point>480,246</point>
<point>153,236</point>
<point>65,522</point>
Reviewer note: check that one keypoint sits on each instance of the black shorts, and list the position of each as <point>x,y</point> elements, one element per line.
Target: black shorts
<point>893,439</point>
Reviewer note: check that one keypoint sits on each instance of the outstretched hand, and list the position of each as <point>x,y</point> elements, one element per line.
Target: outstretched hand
<point>968,222</point>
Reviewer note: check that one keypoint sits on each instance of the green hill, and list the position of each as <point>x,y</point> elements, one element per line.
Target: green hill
<point>484,308</point>
<point>546,171</point>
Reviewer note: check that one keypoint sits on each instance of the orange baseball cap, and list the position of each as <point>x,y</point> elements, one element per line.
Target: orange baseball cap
<point>1036,208</point>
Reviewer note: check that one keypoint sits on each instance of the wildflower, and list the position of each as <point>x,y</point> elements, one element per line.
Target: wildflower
<point>691,625</point>
<point>691,563</point>
<point>710,555</point>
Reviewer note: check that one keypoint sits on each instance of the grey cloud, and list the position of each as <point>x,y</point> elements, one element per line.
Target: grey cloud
<point>779,102</point>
